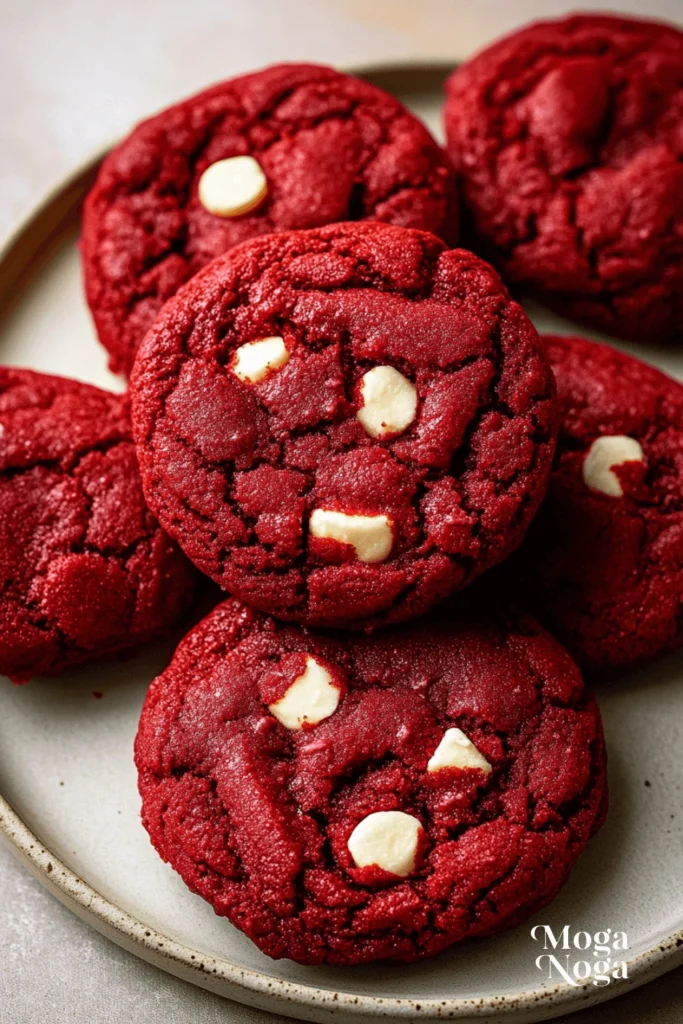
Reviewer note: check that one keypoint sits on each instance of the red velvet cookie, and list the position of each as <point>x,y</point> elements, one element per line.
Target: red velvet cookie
<point>293,146</point>
<point>344,425</point>
<point>350,799</point>
<point>568,140</point>
<point>86,570</point>
<point>605,553</point>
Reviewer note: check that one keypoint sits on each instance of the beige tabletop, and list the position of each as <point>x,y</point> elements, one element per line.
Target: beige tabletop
<point>73,75</point>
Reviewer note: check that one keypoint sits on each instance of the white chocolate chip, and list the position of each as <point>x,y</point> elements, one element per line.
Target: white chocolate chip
<point>388,840</point>
<point>369,536</point>
<point>234,186</point>
<point>257,358</point>
<point>389,402</point>
<point>312,697</point>
<point>603,455</point>
<point>456,751</point>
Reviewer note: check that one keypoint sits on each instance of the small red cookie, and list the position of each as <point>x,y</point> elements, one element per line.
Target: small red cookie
<point>604,555</point>
<point>438,784</point>
<point>345,425</point>
<point>86,569</point>
<point>568,140</point>
<point>316,146</point>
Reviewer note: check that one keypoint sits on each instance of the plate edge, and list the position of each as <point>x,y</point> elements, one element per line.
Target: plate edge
<point>252,987</point>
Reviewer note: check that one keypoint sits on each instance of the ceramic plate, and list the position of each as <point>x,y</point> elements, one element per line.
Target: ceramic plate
<point>70,807</point>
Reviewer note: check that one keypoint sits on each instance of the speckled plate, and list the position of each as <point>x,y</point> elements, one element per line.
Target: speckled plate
<point>70,809</point>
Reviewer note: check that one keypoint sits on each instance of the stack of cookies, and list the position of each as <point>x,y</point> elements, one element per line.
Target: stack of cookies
<point>370,750</point>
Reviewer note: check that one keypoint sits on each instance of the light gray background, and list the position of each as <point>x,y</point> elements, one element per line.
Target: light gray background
<point>73,76</point>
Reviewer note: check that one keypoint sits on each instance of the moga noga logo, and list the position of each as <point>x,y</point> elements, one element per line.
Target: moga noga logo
<point>602,946</point>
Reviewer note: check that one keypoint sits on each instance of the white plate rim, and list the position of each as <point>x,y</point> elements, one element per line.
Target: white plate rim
<point>243,984</point>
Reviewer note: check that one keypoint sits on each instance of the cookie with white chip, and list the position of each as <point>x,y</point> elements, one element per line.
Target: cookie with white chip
<point>291,146</point>
<point>350,799</point>
<point>344,426</point>
<point>604,557</point>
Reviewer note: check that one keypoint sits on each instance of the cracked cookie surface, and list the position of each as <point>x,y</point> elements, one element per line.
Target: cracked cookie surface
<point>331,146</point>
<point>86,569</point>
<point>275,488</point>
<point>606,569</point>
<point>260,819</point>
<point>567,141</point>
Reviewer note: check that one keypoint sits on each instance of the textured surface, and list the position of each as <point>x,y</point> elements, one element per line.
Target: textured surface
<point>34,922</point>
<point>332,148</point>
<point>86,570</point>
<point>627,874</point>
<point>607,572</point>
<point>567,137</point>
<point>68,99</point>
<point>233,470</point>
<point>256,817</point>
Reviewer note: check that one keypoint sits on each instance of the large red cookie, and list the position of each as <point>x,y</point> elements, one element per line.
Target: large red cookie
<point>477,732</point>
<point>567,137</point>
<point>290,487</point>
<point>86,569</point>
<point>605,554</point>
<point>331,148</point>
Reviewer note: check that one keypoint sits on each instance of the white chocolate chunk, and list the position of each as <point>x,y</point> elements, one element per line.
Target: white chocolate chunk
<point>312,697</point>
<point>234,186</point>
<point>389,402</point>
<point>603,455</point>
<point>369,536</point>
<point>456,751</point>
<point>257,358</point>
<point>388,840</point>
